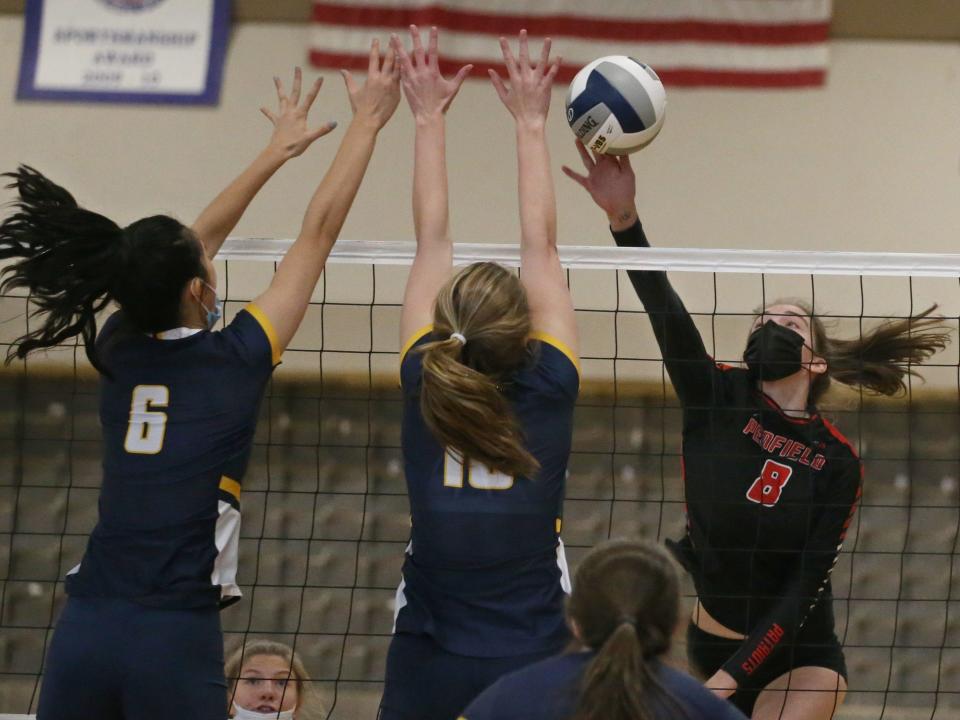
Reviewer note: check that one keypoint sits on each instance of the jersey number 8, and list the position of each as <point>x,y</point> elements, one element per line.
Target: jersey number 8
<point>767,488</point>
<point>478,476</point>
<point>147,426</point>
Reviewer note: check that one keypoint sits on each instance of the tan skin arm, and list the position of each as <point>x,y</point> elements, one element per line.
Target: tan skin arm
<point>290,138</point>
<point>429,95</point>
<point>527,94</point>
<point>286,300</point>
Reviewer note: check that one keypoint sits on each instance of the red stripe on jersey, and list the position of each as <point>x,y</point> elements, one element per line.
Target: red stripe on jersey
<point>839,436</point>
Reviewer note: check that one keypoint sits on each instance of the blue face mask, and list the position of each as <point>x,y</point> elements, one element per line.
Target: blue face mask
<point>213,316</point>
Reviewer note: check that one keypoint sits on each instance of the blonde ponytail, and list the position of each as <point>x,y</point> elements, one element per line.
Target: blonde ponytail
<point>461,398</point>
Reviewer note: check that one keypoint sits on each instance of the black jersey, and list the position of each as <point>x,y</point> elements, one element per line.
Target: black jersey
<point>485,573</point>
<point>769,496</point>
<point>179,414</point>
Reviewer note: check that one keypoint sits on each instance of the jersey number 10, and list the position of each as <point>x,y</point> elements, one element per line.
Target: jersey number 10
<point>147,426</point>
<point>478,476</point>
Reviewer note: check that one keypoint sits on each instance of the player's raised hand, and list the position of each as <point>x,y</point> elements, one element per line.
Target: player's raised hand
<point>527,92</point>
<point>375,101</point>
<point>428,93</point>
<point>291,135</point>
<point>610,182</point>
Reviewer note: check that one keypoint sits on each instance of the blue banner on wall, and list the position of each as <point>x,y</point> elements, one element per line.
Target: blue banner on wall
<point>130,51</point>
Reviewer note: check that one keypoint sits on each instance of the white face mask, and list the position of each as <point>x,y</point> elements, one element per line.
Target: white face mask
<point>240,713</point>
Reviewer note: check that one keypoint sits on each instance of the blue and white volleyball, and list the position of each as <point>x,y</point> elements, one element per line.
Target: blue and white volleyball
<point>616,105</point>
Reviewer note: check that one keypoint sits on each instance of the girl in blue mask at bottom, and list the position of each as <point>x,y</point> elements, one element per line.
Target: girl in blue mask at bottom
<point>139,637</point>
<point>771,486</point>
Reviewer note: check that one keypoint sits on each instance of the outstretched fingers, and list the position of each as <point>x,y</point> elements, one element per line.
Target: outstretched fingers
<point>418,54</point>
<point>553,70</point>
<point>281,94</point>
<point>433,49</point>
<point>297,83</point>
<point>373,61</point>
<point>390,66</point>
<point>350,83</point>
<point>524,55</point>
<point>544,54</point>
<point>461,75</point>
<point>312,93</point>
<point>403,57</point>
<point>508,58</point>
<point>581,180</point>
<point>498,85</point>
<point>322,130</point>
<point>588,162</point>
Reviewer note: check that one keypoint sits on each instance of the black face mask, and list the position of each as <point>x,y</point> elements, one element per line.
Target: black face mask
<point>774,352</point>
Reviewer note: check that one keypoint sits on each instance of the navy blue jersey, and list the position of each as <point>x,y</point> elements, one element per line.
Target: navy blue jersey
<point>178,418</point>
<point>550,690</point>
<point>485,573</point>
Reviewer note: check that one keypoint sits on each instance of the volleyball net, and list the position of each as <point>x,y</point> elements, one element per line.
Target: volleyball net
<point>325,513</point>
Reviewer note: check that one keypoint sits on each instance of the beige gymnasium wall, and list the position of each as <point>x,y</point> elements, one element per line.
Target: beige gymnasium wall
<point>870,162</point>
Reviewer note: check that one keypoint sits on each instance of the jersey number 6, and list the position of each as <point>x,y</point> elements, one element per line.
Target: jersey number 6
<point>478,476</point>
<point>147,426</point>
<point>767,488</point>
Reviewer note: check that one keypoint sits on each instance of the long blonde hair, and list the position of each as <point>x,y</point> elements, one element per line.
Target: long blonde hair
<point>309,705</point>
<point>461,396</point>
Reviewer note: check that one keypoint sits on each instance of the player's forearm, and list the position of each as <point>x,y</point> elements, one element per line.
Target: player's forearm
<point>806,589</point>
<point>687,361</point>
<point>334,196</point>
<point>538,206</point>
<point>430,193</point>
<point>222,215</point>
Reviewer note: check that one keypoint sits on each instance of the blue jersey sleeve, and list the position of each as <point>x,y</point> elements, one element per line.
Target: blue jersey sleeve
<point>558,369</point>
<point>250,337</point>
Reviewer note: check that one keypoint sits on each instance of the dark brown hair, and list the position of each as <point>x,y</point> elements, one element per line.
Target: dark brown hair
<point>75,262</point>
<point>881,358</point>
<point>461,398</point>
<point>625,604</point>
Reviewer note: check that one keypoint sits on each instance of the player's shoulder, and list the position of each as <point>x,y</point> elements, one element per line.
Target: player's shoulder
<point>523,693</point>
<point>837,441</point>
<point>250,337</point>
<point>411,360</point>
<point>553,365</point>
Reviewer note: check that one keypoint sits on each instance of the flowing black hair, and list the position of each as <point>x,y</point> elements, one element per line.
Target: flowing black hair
<point>74,262</point>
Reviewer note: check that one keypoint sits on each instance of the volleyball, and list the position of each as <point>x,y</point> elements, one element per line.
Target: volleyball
<point>616,105</point>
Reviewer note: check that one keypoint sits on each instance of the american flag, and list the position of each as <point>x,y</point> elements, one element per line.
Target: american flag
<point>691,43</point>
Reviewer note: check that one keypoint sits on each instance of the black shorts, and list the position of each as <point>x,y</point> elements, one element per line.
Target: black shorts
<point>112,659</point>
<point>815,646</point>
<point>426,682</point>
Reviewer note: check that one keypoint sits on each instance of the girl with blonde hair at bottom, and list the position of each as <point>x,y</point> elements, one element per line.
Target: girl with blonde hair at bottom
<point>267,679</point>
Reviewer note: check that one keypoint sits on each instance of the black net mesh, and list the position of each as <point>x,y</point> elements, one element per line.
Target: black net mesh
<point>325,516</point>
